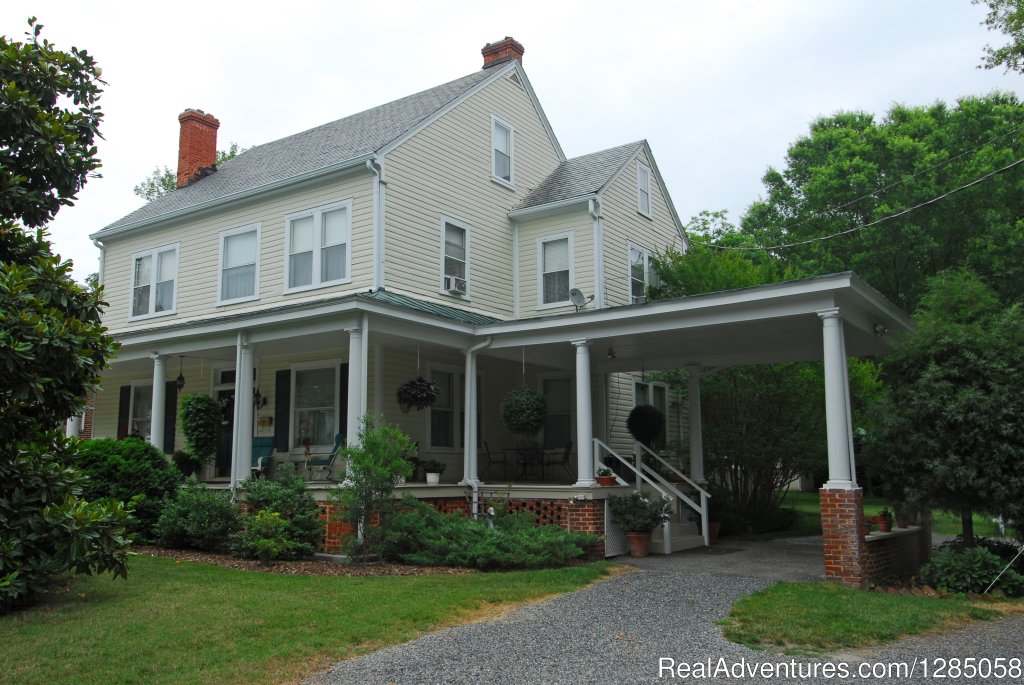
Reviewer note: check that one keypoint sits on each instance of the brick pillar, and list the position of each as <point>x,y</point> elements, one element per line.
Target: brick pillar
<point>588,517</point>
<point>842,512</point>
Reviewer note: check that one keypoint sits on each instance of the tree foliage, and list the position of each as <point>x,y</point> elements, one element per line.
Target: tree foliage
<point>952,435</point>
<point>1006,16</point>
<point>163,181</point>
<point>52,345</point>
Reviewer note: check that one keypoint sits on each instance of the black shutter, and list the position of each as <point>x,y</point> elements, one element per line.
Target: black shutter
<point>282,404</point>
<point>124,405</point>
<point>343,403</point>
<point>170,414</point>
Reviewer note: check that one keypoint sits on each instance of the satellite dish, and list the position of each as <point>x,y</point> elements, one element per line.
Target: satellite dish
<point>578,299</point>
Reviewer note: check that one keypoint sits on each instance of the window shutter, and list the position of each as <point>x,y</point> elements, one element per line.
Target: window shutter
<point>282,409</point>
<point>170,414</point>
<point>124,405</point>
<point>343,403</point>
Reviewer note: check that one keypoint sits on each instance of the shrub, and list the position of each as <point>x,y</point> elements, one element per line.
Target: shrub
<point>524,411</point>
<point>970,569</point>
<point>288,497</point>
<point>1007,551</point>
<point>201,424</point>
<point>635,513</point>
<point>418,534</point>
<point>199,518</point>
<point>130,471</point>
<point>265,538</point>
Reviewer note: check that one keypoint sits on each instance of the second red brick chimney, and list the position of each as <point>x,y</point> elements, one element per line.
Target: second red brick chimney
<point>502,51</point>
<point>197,144</point>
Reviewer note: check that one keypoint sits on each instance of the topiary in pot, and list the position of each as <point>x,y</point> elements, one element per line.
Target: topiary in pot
<point>418,392</point>
<point>524,411</point>
<point>645,423</point>
<point>201,423</point>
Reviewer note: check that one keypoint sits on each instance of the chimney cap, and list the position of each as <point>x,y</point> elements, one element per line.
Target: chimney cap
<point>502,51</point>
<point>199,115</point>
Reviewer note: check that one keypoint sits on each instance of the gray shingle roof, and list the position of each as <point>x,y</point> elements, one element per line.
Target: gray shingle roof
<point>580,176</point>
<point>303,153</point>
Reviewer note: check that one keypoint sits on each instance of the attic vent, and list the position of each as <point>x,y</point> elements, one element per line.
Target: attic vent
<point>514,78</point>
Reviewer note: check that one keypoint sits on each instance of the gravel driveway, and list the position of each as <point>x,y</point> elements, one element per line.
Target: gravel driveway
<point>617,630</point>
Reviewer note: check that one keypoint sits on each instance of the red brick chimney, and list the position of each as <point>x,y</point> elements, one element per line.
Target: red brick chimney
<point>197,144</point>
<point>502,51</point>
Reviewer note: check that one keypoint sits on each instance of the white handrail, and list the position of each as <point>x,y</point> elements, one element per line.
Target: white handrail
<point>673,469</point>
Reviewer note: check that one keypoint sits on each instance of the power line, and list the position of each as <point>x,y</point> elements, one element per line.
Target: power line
<point>876,222</point>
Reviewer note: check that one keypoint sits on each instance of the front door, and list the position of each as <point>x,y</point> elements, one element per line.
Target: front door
<point>222,464</point>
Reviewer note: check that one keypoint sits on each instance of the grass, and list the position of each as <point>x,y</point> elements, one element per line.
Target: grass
<point>808,520</point>
<point>816,617</point>
<point>193,623</point>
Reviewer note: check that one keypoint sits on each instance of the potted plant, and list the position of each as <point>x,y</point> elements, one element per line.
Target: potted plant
<point>186,462</point>
<point>605,477</point>
<point>201,423</point>
<point>645,423</point>
<point>524,411</point>
<point>884,520</point>
<point>417,392</point>
<point>637,516</point>
<point>434,468</point>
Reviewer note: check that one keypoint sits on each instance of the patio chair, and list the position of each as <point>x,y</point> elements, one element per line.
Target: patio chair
<point>324,463</point>
<point>561,460</point>
<point>494,458</point>
<point>262,448</point>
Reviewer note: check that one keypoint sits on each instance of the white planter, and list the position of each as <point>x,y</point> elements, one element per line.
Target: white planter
<point>433,478</point>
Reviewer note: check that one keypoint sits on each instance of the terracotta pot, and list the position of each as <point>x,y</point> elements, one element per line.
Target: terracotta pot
<point>884,526</point>
<point>605,481</point>
<point>639,543</point>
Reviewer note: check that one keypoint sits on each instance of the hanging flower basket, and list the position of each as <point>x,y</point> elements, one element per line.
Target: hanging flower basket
<point>524,411</point>
<point>645,423</point>
<point>418,392</point>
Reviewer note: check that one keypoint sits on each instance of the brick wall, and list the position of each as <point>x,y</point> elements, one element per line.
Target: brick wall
<point>842,512</point>
<point>898,553</point>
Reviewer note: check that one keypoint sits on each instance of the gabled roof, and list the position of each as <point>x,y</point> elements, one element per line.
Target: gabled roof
<point>307,154</point>
<point>580,177</point>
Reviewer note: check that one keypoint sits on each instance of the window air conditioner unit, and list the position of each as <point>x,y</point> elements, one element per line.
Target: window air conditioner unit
<point>454,285</point>
<point>639,299</point>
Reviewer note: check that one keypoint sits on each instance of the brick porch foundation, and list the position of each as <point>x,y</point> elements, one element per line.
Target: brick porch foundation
<point>842,512</point>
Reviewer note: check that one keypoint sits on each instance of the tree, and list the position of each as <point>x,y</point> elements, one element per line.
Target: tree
<point>952,434</point>
<point>161,182</point>
<point>851,170</point>
<point>1006,16</point>
<point>52,344</point>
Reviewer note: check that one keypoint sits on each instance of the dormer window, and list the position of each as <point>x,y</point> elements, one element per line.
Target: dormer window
<point>318,251</point>
<point>154,280</point>
<point>555,269</point>
<point>643,189</point>
<point>502,152</point>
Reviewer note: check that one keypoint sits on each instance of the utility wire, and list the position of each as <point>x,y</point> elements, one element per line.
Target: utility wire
<point>876,222</point>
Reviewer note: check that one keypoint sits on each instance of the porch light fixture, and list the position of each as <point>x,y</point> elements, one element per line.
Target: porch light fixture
<point>880,330</point>
<point>258,400</point>
<point>611,352</point>
<point>180,383</point>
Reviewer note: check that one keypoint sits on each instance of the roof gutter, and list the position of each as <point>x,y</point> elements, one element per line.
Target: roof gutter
<point>527,212</point>
<point>234,197</point>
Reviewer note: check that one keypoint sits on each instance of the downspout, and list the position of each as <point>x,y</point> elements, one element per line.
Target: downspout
<point>102,249</point>
<point>470,476</point>
<point>593,207</point>
<point>378,222</point>
<point>515,270</point>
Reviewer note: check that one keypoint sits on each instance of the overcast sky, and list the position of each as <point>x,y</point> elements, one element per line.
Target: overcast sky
<point>719,89</point>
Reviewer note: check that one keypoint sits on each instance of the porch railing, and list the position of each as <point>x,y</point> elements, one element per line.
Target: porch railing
<point>645,474</point>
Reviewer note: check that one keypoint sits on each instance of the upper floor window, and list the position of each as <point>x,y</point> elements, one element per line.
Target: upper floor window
<point>239,264</point>
<point>318,251</point>
<point>154,275</point>
<point>641,274</point>
<point>502,151</point>
<point>455,258</point>
<point>556,269</point>
<point>643,189</point>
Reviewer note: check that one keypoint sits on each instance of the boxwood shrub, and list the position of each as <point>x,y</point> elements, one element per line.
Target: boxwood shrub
<point>199,518</point>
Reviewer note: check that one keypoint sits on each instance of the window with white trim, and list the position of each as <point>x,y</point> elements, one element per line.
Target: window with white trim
<point>643,189</point>
<point>154,281</point>
<point>656,395</point>
<point>445,433</point>
<point>239,264</point>
<point>555,269</point>
<point>503,138</point>
<point>641,273</point>
<point>455,257</point>
<point>315,405</point>
<point>140,421</point>
<point>318,251</point>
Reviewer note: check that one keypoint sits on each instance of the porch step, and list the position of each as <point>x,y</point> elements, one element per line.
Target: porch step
<point>683,537</point>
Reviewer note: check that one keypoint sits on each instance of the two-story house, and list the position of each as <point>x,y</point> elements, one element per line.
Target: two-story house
<point>446,235</point>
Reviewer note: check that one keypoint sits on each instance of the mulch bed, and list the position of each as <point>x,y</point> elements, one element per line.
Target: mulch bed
<point>298,568</point>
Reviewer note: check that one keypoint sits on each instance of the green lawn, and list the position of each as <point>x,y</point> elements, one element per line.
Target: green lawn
<point>193,623</point>
<point>816,617</point>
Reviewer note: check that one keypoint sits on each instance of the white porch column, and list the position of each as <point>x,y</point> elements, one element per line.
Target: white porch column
<point>73,426</point>
<point>356,384</point>
<point>584,418</point>
<point>241,444</point>
<point>469,459</point>
<point>837,402</point>
<point>696,427</point>
<point>157,408</point>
